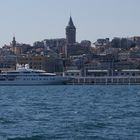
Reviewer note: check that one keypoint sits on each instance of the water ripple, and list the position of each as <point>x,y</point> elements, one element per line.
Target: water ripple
<point>70,112</point>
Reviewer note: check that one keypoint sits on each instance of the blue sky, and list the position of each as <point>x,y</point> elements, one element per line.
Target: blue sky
<point>33,20</point>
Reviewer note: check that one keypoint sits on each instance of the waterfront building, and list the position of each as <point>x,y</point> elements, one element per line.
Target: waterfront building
<point>7,62</point>
<point>73,73</point>
<point>46,63</point>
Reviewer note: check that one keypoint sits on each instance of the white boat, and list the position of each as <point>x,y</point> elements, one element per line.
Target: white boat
<point>23,75</point>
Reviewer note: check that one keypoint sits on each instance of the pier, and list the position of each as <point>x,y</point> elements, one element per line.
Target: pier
<point>110,80</point>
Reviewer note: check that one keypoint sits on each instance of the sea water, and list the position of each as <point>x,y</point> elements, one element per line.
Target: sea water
<point>70,112</point>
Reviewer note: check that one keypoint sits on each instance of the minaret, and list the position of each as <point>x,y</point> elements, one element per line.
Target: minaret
<point>14,42</point>
<point>16,49</point>
<point>70,32</point>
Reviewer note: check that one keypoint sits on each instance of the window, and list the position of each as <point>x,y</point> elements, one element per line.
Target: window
<point>133,74</point>
<point>116,74</point>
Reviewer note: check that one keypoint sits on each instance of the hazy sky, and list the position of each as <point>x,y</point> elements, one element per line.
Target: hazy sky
<point>34,20</point>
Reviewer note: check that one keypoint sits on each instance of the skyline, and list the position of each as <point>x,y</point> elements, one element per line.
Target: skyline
<point>34,20</point>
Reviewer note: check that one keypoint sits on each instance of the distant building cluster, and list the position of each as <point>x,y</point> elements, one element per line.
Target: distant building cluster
<point>86,58</point>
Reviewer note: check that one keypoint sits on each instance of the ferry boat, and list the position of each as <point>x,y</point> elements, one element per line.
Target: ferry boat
<point>23,75</point>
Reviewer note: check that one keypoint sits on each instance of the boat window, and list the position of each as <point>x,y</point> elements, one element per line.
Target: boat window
<point>13,72</point>
<point>2,79</point>
<point>39,72</point>
<point>45,75</point>
<point>26,72</point>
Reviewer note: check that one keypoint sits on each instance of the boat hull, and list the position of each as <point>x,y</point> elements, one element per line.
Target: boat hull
<point>31,82</point>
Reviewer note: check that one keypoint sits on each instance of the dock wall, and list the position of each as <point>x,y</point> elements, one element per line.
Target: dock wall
<point>110,80</point>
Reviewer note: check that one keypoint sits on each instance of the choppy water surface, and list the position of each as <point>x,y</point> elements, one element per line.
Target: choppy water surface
<point>70,113</point>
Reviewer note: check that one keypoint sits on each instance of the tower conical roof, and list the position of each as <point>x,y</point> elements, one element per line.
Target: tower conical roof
<point>71,22</point>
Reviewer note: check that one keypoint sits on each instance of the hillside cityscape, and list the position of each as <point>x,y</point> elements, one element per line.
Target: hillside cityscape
<point>74,58</point>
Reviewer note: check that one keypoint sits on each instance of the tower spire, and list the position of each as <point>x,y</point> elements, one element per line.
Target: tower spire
<point>71,22</point>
